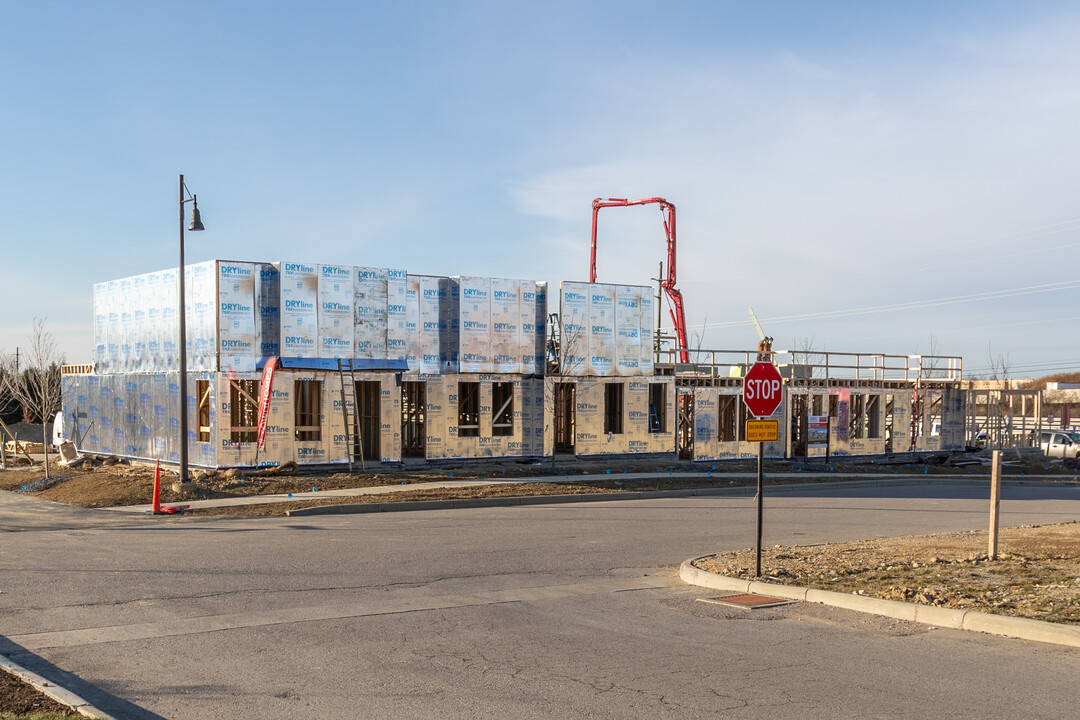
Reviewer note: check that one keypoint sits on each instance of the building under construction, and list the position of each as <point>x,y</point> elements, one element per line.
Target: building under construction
<point>370,365</point>
<point>340,364</point>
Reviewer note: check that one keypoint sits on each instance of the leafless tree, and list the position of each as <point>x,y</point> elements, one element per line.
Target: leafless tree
<point>564,360</point>
<point>928,361</point>
<point>9,406</point>
<point>807,355</point>
<point>807,362</point>
<point>999,367</point>
<point>37,387</point>
<point>699,337</point>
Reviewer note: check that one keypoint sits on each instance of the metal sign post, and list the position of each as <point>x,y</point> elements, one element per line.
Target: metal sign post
<point>760,502</point>
<point>761,432</point>
<point>763,391</point>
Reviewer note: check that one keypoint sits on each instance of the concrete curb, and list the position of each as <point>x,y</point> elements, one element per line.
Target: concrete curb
<point>410,506</point>
<point>740,490</point>
<point>57,693</point>
<point>1023,628</point>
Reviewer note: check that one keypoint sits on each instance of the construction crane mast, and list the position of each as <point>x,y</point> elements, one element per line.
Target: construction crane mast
<point>765,344</point>
<point>678,318</point>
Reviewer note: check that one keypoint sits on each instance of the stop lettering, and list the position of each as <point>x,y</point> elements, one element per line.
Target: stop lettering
<point>763,389</point>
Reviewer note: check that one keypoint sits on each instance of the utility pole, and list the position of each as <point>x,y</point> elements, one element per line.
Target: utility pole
<point>16,379</point>
<point>659,311</point>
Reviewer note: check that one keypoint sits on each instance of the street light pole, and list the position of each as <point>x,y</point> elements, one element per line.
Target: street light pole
<point>196,224</point>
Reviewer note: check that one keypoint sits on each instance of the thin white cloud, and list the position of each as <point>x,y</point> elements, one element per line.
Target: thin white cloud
<point>865,183</point>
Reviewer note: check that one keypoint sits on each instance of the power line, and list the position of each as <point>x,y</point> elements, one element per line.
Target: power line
<point>944,249</point>
<point>1003,238</point>
<point>1042,367</point>
<point>989,258</point>
<point>910,305</point>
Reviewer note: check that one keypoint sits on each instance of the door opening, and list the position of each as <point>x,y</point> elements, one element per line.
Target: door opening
<point>367,403</point>
<point>413,412</point>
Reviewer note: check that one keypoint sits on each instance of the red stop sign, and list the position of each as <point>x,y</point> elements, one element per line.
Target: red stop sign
<point>763,389</point>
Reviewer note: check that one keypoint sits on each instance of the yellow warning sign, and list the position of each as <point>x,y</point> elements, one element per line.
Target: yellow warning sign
<point>762,430</point>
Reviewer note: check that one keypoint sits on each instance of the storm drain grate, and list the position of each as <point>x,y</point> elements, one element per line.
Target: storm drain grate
<point>747,601</point>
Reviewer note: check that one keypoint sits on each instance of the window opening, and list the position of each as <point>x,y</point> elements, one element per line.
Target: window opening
<point>468,409</point>
<point>873,421</point>
<point>657,407</point>
<point>502,407</point>
<point>685,424</point>
<point>613,408</point>
<point>202,391</point>
<point>728,412</point>
<point>856,416</point>
<point>413,412</point>
<point>243,410</point>
<point>890,425</point>
<point>565,404</point>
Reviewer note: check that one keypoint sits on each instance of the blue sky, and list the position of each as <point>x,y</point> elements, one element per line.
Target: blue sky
<point>870,177</point>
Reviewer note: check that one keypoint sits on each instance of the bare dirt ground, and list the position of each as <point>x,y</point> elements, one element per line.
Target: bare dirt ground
<point>19,699</point>
<point>113,483</point>
<point>1036,575</point>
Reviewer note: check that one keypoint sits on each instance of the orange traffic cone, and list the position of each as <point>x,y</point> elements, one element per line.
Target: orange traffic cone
<point>156,508</point>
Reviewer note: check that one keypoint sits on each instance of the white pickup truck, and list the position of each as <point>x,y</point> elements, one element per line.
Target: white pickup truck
<point>1059,443</point>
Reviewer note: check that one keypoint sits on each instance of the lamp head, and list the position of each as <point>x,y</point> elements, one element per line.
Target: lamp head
<point>196,219</point>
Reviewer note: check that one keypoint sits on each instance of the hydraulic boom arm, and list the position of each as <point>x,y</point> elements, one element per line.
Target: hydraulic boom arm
<point>678,319</point>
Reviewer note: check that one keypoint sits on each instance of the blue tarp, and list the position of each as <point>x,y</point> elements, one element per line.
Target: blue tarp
<point>359,364</point>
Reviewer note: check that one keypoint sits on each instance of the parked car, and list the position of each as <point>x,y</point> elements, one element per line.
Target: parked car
<point>1060,443</point>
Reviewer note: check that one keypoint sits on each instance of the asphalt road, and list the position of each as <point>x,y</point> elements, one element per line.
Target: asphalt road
<point>524,612</point>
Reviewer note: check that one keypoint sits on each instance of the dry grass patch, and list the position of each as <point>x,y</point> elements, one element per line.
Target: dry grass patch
<point>1036,575</point>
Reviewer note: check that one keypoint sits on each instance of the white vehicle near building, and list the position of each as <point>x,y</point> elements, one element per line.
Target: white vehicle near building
<point>1059,443</point>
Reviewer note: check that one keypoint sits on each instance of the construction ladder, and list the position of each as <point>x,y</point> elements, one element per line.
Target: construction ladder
<point>354,446</point>
<point>552,349</point>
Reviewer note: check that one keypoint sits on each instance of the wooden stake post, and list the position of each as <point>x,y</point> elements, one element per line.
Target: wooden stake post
<point>995,502</point>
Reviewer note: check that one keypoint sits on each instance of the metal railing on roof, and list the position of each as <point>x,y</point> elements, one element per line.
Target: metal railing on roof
<point>806,365</point>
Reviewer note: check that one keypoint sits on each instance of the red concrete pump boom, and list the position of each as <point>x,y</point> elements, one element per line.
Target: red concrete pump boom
<point>678,319</point>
